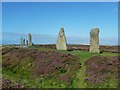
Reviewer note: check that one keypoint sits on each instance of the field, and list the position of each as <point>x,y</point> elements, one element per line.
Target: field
<point>43,66</point>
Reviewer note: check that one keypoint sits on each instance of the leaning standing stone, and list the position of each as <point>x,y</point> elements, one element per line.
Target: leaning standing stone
<point>94,40</point>
<point>61,40</point>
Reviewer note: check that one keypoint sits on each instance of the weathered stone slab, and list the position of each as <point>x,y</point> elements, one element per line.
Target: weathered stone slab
<point>61,43</point>
<point>94,40</point>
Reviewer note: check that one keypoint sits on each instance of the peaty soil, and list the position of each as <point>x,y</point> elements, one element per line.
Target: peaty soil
<point>101,68</point>
<point>60,65</point>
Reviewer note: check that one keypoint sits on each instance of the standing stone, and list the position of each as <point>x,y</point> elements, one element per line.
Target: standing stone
<point>94,40</point>
<point>61,40</point>
<point>26,42</point>
<point>29,39</point>
<point>21,42</point>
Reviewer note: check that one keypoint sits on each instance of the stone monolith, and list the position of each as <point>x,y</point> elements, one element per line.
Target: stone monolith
<point>29,39</point>
<point>61,43</point>
<point>94,40</point>
<point>26,42</point>
<point>21,42</point>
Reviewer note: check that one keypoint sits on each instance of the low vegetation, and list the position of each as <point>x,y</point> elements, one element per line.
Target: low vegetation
<point>49,68</point>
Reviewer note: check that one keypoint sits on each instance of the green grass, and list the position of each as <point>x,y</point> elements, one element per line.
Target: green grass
<point>84,56</point>
<point>38,82</point>
<point>80,74</point>
<point>21,74</point>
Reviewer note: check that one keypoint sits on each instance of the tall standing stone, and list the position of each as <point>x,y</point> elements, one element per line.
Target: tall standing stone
<point>29,39</point>
<point>26,42</point>
<point>94,40</point>
<point>21,42</point>
<point>61,40</point>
